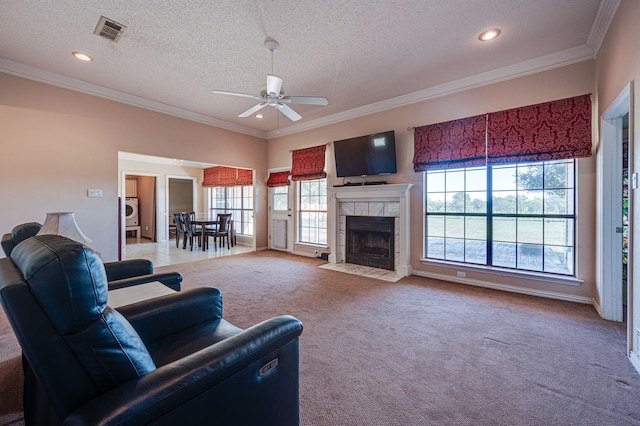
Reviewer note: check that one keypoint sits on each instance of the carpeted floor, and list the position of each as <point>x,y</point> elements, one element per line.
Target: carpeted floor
<point>418,351</point>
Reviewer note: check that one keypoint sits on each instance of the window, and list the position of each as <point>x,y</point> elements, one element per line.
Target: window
<point>237,200</point>
<point>312,216</point>
<point>280,200</point>
<point>518,216</point>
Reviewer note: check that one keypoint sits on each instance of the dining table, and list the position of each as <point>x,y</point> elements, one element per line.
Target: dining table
<point>207,221</point>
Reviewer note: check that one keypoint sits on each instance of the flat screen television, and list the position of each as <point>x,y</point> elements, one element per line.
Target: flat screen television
<point>368,155</point>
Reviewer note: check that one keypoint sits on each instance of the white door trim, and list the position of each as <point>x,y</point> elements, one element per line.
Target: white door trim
<point>609,206</point>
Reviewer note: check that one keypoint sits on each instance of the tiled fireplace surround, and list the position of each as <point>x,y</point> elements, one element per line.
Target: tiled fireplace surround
<point>389,200</point>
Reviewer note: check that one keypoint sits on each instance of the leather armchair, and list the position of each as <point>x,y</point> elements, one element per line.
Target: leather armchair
<point>119,274</point>
<point>168,360</point>
<point>18,234</point>
<point>138,271</point>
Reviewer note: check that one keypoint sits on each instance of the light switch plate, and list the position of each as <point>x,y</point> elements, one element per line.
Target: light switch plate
<point>94,193</point>
<point>634,181</point>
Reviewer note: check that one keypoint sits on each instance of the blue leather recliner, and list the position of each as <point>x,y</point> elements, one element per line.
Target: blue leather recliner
<point>167,360</point>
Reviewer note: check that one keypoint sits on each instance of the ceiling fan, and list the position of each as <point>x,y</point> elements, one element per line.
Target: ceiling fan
<point>273,95</point>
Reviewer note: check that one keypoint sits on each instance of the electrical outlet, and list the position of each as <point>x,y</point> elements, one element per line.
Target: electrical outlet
<point>315,253</point>
<point>461,274</point>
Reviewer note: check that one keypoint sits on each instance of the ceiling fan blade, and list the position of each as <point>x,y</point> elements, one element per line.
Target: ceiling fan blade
<point>274,84</point>
<point>254,109</point>
<point>306,100</point>
<point>286,110</point>
<point>222,92</point>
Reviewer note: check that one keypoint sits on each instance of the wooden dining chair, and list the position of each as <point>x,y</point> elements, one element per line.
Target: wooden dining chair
<point>222,231</point>
<point>191,231</point>
<point>180,231</point>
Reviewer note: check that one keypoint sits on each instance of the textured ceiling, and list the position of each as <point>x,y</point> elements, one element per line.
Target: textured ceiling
<point>362,55</point>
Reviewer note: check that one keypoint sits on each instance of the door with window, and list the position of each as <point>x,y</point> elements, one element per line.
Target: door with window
<point>280,220</point>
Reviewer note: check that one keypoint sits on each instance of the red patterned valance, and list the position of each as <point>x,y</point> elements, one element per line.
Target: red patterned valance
<point>210,177</point>
<point>222,176</point>
<point>245,177</point>
<point>457,143</point>
<point>278,179</point>
<point>549,131</point>
<point>308,163</point>
<point>227,176</point>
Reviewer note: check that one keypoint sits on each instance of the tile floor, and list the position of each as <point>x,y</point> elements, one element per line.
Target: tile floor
<point>367,271</point>
<point>162,254</point>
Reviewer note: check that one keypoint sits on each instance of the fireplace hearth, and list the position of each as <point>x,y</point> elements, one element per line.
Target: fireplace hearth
<point>370,241</point>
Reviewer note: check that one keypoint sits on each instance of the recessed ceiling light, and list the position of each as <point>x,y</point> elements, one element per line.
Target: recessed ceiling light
<point>259,115</point>
<point>82,56</point>
<point>489,34</point>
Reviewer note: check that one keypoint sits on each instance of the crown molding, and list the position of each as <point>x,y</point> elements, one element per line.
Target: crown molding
<point>606,11</point>
<point>543,63</point>
<point>533,66</point>
<point>54,79</point>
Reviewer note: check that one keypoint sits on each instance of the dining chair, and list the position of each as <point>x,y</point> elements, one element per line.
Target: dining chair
<point>209,230</point>
<point>180,231</point>
<point>224,220</point>
<point>191,230</point>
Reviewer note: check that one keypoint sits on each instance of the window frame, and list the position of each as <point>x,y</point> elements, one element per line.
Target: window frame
<point>277,194</point>
<point>543,271</point>
<point>239,214</point>
<point>321,215</point>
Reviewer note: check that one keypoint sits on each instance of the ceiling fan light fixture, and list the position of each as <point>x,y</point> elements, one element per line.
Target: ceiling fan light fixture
<point>490,34</point>
<point>273,95</point>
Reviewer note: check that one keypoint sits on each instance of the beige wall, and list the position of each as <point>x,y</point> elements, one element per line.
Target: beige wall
<point>559,83</point>
<point>618,64</point>
<point>57,143</point>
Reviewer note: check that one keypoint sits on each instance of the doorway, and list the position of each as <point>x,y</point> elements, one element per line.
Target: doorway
<point>180,198</point>
<point>615,242</point>
<point>625,216</point>
<point>140,208</point>
<point>280,220</point>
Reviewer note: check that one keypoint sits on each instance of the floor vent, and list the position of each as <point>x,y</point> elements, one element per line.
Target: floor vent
<point>109,29</point>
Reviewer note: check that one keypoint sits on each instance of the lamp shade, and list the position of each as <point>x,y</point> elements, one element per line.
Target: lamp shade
<point>63,223</point>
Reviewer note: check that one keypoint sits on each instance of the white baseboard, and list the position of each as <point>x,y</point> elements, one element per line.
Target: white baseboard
<point>635,361</point>
<point>505,287</point>
<point>596,305</point>
<point>305,253</point>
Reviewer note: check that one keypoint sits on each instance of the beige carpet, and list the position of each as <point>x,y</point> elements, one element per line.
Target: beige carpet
<point>420,351</point>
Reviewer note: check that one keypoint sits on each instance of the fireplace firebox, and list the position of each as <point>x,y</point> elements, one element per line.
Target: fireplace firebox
<point>370,241</point>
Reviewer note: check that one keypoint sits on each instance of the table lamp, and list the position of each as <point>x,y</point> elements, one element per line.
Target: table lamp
<point>63,223</point>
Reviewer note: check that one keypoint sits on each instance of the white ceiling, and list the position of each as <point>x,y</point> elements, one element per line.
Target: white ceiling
<point>363,55</point>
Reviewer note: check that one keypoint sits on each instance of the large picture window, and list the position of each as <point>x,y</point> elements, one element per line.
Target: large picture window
<point>312,212</point>
<point>237,200</point>
<point>519,216</point>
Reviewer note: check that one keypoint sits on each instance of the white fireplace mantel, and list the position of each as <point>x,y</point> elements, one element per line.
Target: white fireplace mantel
<point>371,200</point>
